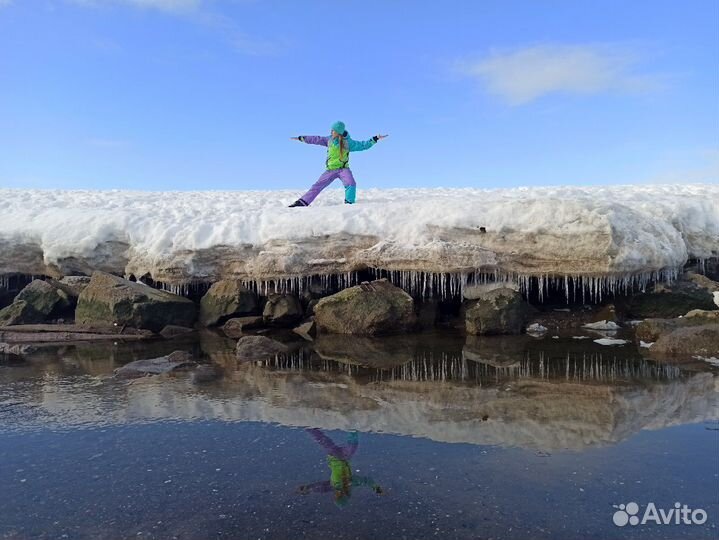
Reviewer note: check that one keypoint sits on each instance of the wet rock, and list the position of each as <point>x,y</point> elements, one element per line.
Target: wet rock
<point>20,312</point>
<point>250,348</point>
<point>475,292</point>
<point>172,330</point>
<point>206,373</point>
<point>702,340</point>
<point>44,296</point>
<point>690,291</point>
<point>174,361</point>
<point>74,285</point>
<point>238,326</point>
<point>373,308</point>
<point>308,330</point>
<point>650,330</point>
<point>499,311</point>
<point>226,299</point>
<point>282,310</point>
<point>112,299</point>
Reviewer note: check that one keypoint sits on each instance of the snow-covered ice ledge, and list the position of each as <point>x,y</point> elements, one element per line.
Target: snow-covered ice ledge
<point>603,233</point>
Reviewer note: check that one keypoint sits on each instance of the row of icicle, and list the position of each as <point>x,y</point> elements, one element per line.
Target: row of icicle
<point>444,286</point>
<point>429,366</point>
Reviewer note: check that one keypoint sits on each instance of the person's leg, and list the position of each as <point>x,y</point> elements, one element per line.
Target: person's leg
<point>348,180</point>
<point>352,443</point>
<point>323,181</point>
<point>325,442</point>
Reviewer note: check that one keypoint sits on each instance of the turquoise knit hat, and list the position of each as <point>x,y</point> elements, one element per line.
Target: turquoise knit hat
<point>339,127</point>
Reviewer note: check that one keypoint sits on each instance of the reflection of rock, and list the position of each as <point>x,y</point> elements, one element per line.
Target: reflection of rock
<point>498,311</point>
<point>225,299</point>
<point>497,351</point>
<point>542,409</point>
<point>259,348</point>
<point>111,299</point>
<point>206,373</point>
<point>376,352</point>
<point>172,330</point>
<point>218,348</point>
<point>155,366</point>
<point>308,330</point>
<point>236,327</point>
<point>374,308</point>
<point>690,291</point>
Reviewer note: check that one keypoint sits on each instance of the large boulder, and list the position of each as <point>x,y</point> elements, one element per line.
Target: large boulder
<point>226,299</point>
<point>74,285</point>
<point>251,348</point>
<point>282,310</point>
<point>690,291</point>
<point>112,299</point>
<point>702,340</point>
<point>20,312</point>
<point>499,311</point>
<point>35,303</point>
<point>368,309</point>
<point>650,330</point>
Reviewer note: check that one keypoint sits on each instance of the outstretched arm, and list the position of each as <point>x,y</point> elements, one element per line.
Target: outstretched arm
<point>312,139</point>
<point>367,481</point>
<point>358,146</point>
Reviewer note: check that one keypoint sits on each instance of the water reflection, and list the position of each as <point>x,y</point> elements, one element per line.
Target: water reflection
<point>504,391</point>
<point>342,479</point>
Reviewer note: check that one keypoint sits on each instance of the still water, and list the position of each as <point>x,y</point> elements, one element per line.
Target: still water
<point>412,437</point>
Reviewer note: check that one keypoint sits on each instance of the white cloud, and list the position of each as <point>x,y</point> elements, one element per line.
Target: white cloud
<point>523,75</point>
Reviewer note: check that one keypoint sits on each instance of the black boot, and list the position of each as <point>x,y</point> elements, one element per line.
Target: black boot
<point>298,202</point>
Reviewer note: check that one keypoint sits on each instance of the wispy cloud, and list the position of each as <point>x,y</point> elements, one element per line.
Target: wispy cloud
<point>522,75</point>
<point>100,142</point>
<point>4,3</point>
<point>171,6</point>
<point>199,12</point>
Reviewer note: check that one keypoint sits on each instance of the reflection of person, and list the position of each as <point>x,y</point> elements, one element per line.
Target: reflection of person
<point>341,479</point>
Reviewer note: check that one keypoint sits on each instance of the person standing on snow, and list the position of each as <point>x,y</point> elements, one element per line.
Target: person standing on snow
<point>339,145</point>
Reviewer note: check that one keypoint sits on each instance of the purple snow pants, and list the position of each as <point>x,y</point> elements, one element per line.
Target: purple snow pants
<point>326,179</point>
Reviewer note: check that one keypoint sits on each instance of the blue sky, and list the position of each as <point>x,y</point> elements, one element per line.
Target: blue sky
<point>203,94</point>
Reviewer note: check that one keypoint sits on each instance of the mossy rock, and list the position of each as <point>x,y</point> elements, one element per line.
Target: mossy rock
<point>499,311</point>
<point>369,309</point>
<point>226,299</point>
<point>112,299</point>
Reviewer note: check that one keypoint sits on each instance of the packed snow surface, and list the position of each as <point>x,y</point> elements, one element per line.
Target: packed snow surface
<point>177,237</point>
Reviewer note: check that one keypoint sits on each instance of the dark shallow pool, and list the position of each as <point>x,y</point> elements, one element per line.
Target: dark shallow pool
<point>394,438</point>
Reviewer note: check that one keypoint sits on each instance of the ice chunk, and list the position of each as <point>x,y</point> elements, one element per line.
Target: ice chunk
<point>602,325</point>
<point>611,341</point>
